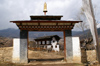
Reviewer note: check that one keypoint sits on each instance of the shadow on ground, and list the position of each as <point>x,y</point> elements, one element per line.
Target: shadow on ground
<point>43,60</point>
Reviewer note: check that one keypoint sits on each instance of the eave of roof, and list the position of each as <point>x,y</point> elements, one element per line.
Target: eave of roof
<point>44,21</point>
<point>46,37</point>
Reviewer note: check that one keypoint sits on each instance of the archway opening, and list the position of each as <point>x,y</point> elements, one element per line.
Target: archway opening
<point>42,49</point>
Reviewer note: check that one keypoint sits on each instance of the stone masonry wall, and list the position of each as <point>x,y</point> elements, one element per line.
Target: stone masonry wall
<point>88,56</point>
<point>6,54</point>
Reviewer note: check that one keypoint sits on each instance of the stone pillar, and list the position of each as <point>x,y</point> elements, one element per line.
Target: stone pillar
<point>68,48</point>
<point>76,50</point>
<point>16,50</point>
<point>23,46</point>
<point>20,48</point>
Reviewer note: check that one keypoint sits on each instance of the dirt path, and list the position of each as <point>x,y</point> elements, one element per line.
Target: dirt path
<point>36,58</point>
<point>57,65</point>
<point>41,64</point>
<point>44,56</point>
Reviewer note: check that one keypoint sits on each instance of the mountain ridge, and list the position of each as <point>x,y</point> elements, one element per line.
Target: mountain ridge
<point>14,33</point>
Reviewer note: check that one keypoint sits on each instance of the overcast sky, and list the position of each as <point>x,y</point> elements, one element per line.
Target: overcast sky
<point>22,9</point>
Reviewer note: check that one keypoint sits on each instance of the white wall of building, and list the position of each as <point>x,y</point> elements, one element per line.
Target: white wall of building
<point>54,44</point>
<point>16,50</point>
<point>48,46</point>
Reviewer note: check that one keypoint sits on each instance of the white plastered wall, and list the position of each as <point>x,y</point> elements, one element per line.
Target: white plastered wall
<point>16,50</point>
<point>76,50</point>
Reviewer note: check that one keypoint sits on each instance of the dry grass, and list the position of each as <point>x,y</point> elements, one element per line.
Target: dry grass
<point>8,64</point>
<point>42,58</point>
<point>66,64</point>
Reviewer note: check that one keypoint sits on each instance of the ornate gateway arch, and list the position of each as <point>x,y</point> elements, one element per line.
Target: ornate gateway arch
<point>43,23</point>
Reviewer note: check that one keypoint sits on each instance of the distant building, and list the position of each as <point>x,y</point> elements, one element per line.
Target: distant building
<point>48,42</point>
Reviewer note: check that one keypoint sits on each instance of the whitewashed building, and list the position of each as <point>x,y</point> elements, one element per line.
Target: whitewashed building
<point>48,42</point>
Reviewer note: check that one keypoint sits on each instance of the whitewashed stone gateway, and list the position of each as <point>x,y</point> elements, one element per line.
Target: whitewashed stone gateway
<point>19,51</point>
<point>45,23</point>
<point>20,55</point>
<point>16,50</point>
<point>76,50</point>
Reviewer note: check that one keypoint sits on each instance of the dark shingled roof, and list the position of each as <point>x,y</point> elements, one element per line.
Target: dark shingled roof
<point>46,17</point>
<point>47,37</point>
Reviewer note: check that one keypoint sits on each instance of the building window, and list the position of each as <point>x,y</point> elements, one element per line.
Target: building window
<point>47,42</point>
<point>39,42</point>
<point>51,46</point>
<point>43,42</point>
<point>56,46</point>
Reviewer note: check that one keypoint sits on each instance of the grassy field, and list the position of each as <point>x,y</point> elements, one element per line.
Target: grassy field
<point>39,58</point>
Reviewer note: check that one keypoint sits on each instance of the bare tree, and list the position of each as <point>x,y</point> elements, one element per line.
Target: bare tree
<point>96,13</point>
<point>3,42</point>
<point>81,16</point>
